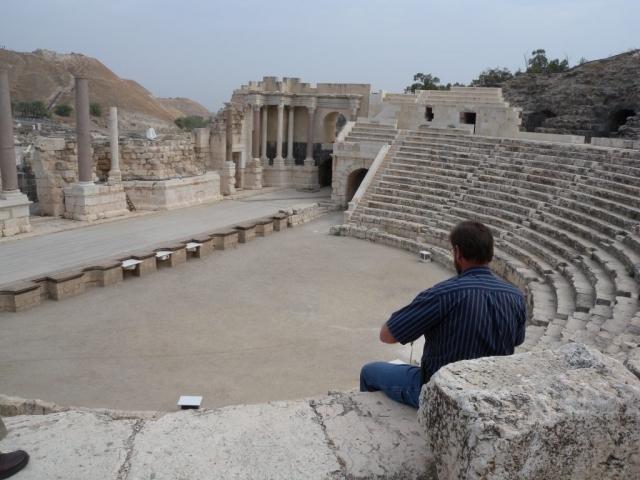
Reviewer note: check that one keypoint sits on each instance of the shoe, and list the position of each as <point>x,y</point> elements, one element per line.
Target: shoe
<point>12,463</point>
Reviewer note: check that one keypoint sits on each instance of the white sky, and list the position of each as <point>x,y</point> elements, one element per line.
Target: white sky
<point>203,49</point>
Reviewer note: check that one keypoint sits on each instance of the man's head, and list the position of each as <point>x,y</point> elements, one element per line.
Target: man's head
<point>472,244</point>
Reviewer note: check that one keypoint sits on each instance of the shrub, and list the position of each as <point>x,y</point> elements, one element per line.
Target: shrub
<point>63,110</point>
<point>95,109</point>
<point>191,122</point>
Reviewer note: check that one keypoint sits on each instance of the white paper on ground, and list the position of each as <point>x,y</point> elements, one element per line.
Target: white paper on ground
<point>398,362</point>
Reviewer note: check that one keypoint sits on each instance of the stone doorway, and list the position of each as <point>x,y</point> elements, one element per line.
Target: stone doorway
<point>469,118</point>
<point>325,173</point>
<point>536,119</point>
<point>353,182</point>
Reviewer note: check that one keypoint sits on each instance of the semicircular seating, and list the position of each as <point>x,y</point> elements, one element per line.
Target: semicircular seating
<point>566,219</point>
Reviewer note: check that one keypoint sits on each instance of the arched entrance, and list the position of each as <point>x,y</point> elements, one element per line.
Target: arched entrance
<point>619,118</point>
<point>536,119</point>
<point>353,182</point>
<point>331,126</point>
<point>325,173</point>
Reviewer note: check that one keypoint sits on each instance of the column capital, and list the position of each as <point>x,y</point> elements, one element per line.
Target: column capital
<point>256,107</point>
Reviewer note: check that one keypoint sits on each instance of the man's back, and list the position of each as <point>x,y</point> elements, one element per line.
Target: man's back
<point>470,316</point>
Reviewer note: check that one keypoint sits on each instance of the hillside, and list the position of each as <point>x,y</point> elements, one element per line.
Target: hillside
<point>48,76</point>
<point>186,107</point>
<point>597,99</point>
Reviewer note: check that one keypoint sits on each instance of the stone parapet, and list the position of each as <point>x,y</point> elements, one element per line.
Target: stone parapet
<point>175,193</point>
<point>14,215</point>
<point>568,413</point>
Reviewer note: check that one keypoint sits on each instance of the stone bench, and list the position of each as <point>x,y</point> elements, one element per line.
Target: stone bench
<point>280,221</point>
<point>147,263</point>
<point>534,415</point>
<point>246,232</point>
<point>199,246</point>
<point>20,296</point>
<point>175,255</point>
<point>103,275</point>
<point>264,227</point>
<point>226,238</point>
<point>64,285</point>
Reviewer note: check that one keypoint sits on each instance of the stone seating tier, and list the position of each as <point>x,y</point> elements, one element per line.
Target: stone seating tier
<point>564,219</point>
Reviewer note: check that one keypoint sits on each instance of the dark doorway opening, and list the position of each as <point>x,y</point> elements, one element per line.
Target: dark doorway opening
<point>429,114</point>
<point>468,118</point>
<point>325,173</point>
<point>536,119</point>
<point>353,182</point>
<point>619,118</point>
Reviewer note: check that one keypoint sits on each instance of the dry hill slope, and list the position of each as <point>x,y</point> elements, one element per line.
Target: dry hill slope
<point>48,76</point>
<point>186,106</point>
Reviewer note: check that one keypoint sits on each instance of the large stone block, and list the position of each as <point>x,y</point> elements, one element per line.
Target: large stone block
<point>569,413</point>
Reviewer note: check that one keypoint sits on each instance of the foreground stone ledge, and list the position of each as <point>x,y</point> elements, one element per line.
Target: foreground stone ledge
<point>343,435</point>
<point>572,413</point>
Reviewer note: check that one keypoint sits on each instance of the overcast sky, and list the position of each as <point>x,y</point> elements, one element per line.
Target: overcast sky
<point>203,49</point>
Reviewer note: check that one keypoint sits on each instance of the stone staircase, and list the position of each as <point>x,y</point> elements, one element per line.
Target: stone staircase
<point>566,219</point>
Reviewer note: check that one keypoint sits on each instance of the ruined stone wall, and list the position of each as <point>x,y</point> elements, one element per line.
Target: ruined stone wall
<point>168,157</point>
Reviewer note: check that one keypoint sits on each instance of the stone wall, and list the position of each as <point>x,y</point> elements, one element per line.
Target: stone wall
<point>161,159</point>
<point>175,193</point>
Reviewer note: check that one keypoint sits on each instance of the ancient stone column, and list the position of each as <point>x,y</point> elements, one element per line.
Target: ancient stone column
<point>290,160</point>
<point>263,158</point>
<point>353,114</point>
<point>114,173</point>
<point>255,138</point>
<point>83,131</point>
<point>279,160</point>
<point>309,160</point>
<point>229,134</point>
<point>7,150</point>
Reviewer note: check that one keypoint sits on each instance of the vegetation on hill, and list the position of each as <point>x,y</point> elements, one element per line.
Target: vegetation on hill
<point>95,109</point>
<point>491,77</point>
<point>189,123</point>
<point>35,109</point>
<point>63,110</point>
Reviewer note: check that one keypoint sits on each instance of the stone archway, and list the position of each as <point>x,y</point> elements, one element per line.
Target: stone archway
<point>354,180</point>
<point>331,126</point>
<point>619,118</point>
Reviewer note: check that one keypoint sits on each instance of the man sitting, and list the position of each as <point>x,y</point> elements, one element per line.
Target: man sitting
<point>469,316</point>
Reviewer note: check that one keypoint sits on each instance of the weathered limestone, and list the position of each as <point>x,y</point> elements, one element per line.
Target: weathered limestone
<point>14,206</point>
<point>278,162</point>
<point>94,202</point>
<point>569,413</point>
<point>246,232</point>
<point>174,193</point>
<point>115,176</point>
<point>15,298</point>
<point>228,179</point>
<point>253,174</point>
<point>226,238</point>
<point>263,157</point>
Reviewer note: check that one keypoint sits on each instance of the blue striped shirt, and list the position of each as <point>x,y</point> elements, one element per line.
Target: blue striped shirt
<point>469,316</point>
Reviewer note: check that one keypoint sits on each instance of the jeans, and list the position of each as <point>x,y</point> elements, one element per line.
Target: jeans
<point>399,382</point>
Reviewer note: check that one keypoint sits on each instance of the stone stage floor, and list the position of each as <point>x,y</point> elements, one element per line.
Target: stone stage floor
<point>288,316</point>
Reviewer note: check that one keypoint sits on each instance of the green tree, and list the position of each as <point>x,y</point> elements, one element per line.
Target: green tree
<point>39,110</point>
<point>95,109</point>
<point>423,82</point>
<point>582,61</point>
<point>539,63</point>
<point>491,77</point>
<point>63,110</point>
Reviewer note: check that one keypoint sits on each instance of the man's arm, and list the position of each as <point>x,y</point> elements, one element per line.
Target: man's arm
<point>522,323</point>
<point>386,336</point>
<point>411,322</point>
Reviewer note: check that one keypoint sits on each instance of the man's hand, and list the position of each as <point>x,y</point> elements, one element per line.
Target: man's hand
<point>386,336</point>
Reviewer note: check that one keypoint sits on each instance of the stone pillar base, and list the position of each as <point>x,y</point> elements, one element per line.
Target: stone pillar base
<point>240,180</point>
<point>289,162</point>
<point>14,214</point>
<point>253,175</point>
<point>228,179</point>
<point>309,162</point>
<point>115,177</point>
<point>94,202</point>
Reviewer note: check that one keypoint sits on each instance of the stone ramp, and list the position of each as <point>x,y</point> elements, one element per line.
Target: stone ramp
<point>342,435</point>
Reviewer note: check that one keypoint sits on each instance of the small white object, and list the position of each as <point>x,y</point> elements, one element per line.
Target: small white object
<point>191,246</point>
<point>163,254</point>
<point>130,264</point>
<point>425,256</point>
<point>189,402</point>
<point>398,362</point>
<point>151,134</point>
